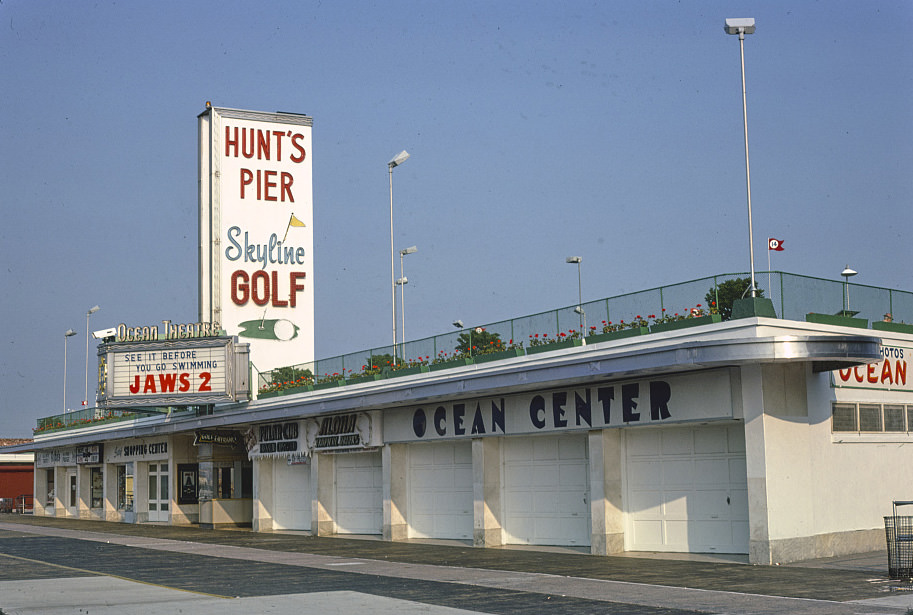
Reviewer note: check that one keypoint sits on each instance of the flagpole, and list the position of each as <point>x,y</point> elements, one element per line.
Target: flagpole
<point>287,227</point>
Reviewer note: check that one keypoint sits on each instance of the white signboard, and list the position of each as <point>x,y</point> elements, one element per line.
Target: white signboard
<point>889,374</point>
<point>655,401</point>
<point>256,232</point>
<point>179,372</point>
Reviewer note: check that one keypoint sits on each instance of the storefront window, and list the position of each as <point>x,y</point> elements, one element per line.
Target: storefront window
<point>50,480</point>
<point>98,487</point>
<point>125,487</point>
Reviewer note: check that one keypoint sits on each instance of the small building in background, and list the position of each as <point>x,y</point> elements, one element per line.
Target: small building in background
<point>17,472</point>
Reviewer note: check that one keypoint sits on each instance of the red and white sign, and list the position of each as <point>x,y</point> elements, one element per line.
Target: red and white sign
<point>171,373</point>
<point>888,374</point>
<point>775,244</point>
<point>256,221</point>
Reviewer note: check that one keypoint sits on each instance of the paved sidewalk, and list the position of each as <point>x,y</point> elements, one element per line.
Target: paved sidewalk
<point>836,585</point>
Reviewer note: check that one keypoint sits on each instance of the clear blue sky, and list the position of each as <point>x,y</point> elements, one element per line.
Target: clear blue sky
<point>609,130</point>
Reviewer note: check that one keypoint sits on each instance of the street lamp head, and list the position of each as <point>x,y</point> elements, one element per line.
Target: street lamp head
<point>740,25</point>
<point>398,159</point>
<point>92,310</point>
<point>848,272</point>
<point>402,280</point>
<point>458,324</point>
<point>573,259</point>
<point>69,333</point>
<point>409,250</point>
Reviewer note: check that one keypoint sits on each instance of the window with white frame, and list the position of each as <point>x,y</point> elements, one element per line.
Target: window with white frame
<point>871,418</point>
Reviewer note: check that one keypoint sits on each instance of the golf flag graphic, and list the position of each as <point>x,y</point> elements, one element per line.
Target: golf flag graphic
<point>292,221</point>
<point>775,244</point>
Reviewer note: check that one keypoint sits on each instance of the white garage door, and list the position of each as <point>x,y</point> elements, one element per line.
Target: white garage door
<point>292,495</point>
<point>546,490</point>
<point>359,493</point>
<point>687,490</point>
<point>440,490</point>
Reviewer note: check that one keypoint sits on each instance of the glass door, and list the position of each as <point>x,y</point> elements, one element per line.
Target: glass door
<point>159,498</point>
<point>72,495</point>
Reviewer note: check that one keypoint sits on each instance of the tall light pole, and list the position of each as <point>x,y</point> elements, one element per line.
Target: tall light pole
<point>395,162</point>
<point>69,333</point>
<point>401,282</point>
<point>847,273</point>
<point>579,309</point>
<point>92,310</point>
<point>741,27</point>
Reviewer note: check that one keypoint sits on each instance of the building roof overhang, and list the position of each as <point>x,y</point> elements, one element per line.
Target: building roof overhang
<point>732,344</point>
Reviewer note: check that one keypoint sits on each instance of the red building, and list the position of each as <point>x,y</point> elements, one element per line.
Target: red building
<point>17,471</point>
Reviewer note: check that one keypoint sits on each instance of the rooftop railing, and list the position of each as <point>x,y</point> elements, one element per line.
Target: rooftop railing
<point>794,297</point>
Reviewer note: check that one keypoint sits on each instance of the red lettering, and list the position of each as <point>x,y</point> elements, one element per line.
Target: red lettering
<point>263,143</point>
<point>294,276</point>
<point>204,386</point>
<point>185,383</point>
<point>870,373</point>
<point>260,300</point>
<point>240,291</point>
<point>267,184</point>
<point>134,388</point>
<point>244,140</point>
<point>167,382</point>
<point>246,179</point>
<point>886,372</point>
<point>856,373</point>
<point>845,374</point>
<point>299,157</point>
<point>276,301</point>
<point>231,143</point>
<point>287,181</point>
<point>278,134</point>
<point>900,372</point>
<point>149,387</point>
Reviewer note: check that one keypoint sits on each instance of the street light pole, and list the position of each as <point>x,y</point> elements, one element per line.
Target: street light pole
<point>92,310</point>
<point>577,260</point>
<point>741,27</point>
<point>395,162</point>
<point>69,333</point>
<point>401,282</point>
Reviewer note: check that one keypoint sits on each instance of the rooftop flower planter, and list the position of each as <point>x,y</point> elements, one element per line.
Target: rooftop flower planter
<point>616,335</point>
<point>451,363</point>
<point>691,321</point>
<point>555,345</point>
<point>837,320</point>
<point>895,327</point>
<point>511,353</point>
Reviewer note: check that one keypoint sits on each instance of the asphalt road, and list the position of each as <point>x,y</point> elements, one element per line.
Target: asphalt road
<point>65,566</point>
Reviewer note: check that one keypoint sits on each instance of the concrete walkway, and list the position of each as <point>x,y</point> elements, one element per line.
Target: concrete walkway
<point>639,583</point>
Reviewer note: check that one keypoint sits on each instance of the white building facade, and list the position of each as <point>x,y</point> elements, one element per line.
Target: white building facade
<point>780,440</point>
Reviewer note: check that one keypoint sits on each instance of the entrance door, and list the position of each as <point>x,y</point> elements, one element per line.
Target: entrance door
<point>72,495</point>
<point>359,494</point>
<point>292,495</point>
<point>159,498</point>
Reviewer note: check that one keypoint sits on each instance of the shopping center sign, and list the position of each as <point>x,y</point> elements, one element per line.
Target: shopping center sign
<point>173,372</point>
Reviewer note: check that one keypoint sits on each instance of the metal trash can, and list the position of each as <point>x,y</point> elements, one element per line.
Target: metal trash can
<point>899,534</point>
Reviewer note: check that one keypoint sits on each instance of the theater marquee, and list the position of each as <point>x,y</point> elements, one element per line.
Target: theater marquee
<point>173,373</point>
